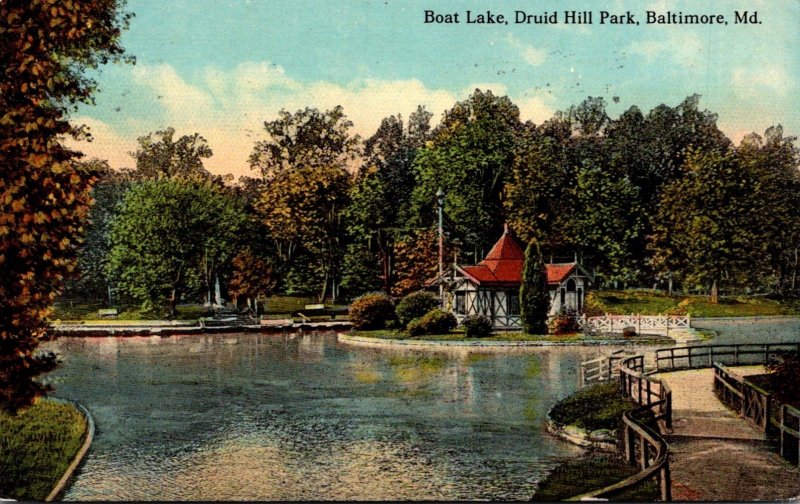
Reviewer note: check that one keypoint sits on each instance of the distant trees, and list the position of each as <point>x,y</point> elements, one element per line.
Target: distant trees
<point>166,237</point>
<point>48,46</point>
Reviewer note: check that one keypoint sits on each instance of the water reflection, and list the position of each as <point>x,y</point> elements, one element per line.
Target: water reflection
<point>299,416</point>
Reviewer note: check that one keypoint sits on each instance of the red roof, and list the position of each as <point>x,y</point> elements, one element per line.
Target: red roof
<point>503,265</point>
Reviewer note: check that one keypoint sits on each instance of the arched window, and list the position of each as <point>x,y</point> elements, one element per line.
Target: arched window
<point>571,285</point>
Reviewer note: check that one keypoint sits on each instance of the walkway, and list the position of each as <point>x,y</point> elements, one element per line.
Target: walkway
<point>715,455</point>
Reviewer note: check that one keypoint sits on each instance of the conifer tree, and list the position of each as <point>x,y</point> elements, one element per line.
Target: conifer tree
<point>533,295</point>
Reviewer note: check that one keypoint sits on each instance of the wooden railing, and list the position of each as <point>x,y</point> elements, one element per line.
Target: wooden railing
<point>601,369</point>
<point>642,323</point>
<point>779,422</point>
<point>703,356</point>
<point>645,447</point>
<point>751,401</point>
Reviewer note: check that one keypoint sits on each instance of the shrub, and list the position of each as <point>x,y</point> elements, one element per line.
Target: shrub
<point>564,323</point>
<point>415,305</point>
<point>785,378</point>
<point>596,407</point>
<point>434,322</point>
<point>371,311</point>
<point>628,332</point>
<point>477,326</point>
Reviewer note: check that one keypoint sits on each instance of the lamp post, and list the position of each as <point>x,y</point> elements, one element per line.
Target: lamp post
<point>440,200</point>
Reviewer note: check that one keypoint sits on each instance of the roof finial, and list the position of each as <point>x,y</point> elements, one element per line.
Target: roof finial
<point>505,228</point>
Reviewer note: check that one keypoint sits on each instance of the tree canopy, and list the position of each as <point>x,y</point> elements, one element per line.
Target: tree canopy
<point>48,46</point>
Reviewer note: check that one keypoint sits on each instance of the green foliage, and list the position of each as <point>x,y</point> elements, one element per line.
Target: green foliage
<point>416,305</point>
<point>592,408</point>
<point>565,322</point>
<point>161,156</point>
<point>48,49</point>
<point>434,322</point>
<point>477,136</point>
<point>533,293</point>
<point>167,234</point>
<point>379,206</point>
<point>477,326</point>
<point>361,271</point>
<point>38,444</point>
<point>649,303</point>
<point>371,311</point>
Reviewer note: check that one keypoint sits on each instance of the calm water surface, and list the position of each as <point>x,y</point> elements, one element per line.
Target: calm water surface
<point>248,416</point>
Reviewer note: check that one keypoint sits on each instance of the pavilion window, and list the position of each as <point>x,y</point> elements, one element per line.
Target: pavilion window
<point>512,303</point>
<point>461,303</point>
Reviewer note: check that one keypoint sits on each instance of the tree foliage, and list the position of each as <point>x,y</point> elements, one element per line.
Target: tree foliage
<point>48,46</point>
<point>305,139</point>
<point>160,155</point>
<point>533,293</point>
<point>166,234</point>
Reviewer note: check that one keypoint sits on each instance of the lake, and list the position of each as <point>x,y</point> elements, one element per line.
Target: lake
<point>290,416</point>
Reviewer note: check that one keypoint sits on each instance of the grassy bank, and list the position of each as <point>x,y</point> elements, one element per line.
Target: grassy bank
<point>649,303</point>
<point>591,408</point>
<point>36,447</point>
<point>496,337</point>
<point>578,476</point>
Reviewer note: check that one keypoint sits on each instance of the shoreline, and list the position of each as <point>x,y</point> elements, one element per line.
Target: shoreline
<point>159,328</point>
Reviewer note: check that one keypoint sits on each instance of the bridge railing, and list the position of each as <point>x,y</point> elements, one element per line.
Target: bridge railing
<point>704,356</point>
<point>601,369</point>
<point>642,323</point>
<point>644,445</point>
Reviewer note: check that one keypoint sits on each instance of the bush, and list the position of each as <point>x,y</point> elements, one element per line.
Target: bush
<point>477,326</point>
<point>592,408</point>
<point>416,305</point>
<point>628,332</point>
<point>371,311</point>
<point>564,323</point>
<point>434,322</point>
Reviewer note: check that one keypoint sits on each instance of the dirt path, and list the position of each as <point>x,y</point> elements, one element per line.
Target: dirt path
<point>715,455</point>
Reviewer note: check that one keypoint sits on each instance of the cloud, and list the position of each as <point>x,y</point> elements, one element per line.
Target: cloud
<point>530,54</point>
<point>679,47</point>
<point>752,81</point>
<point>537,108</point>
<point>106,143</point>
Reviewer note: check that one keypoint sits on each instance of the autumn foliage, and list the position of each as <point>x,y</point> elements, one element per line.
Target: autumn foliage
<point>44,191</point>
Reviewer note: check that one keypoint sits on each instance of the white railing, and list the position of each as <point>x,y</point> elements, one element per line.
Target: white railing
<point>641,323</point>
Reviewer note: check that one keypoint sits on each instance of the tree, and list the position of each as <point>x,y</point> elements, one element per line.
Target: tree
<point>92,283</point>
<point>533,293</point>
<point>48,46</point>
<point>301,210</point>
<point>159,155</point>
<point>470,157</point>
<point>704,231</point>
<point>306,139</point>
<point>380,199</point>
<point>253,276</point>
<point>418,260</point>
<point>166,236</point>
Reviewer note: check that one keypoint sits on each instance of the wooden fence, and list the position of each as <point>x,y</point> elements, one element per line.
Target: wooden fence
<point>601,369</point>
<point>703,356</point>
<point>645,446</point>
<point>642,323</point>
<point>779,422</point>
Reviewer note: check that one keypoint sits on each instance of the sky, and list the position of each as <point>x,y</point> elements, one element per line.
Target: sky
<point>221,68</point>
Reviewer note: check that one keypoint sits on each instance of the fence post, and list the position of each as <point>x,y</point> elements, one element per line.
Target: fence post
<point>630,448</point>
<point>783,436</point>
<point>736,354</point>
<point>666,483</point>
<point>711,356</point>
<point>643,452</point>
<point>767,413</point>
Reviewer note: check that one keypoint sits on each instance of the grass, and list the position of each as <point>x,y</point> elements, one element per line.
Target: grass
<point>649,303</point>
<point>496,337</point>
<point>36,446</point>
<point>578,476</point>
<point>87,311</point>
<point>592,408</point>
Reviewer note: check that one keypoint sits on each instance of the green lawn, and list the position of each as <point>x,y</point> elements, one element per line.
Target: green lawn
<point>459,336</point>
<point>36,446</point>
<point>648,303</point>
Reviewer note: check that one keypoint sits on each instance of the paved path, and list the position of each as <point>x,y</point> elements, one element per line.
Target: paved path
<point>715,455</point>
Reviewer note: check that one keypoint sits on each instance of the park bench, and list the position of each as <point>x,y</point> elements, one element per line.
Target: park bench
<point>319,310</point>
<point>107,312</point>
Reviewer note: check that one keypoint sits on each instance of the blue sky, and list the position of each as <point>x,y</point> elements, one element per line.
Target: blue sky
<point>221,68</point>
